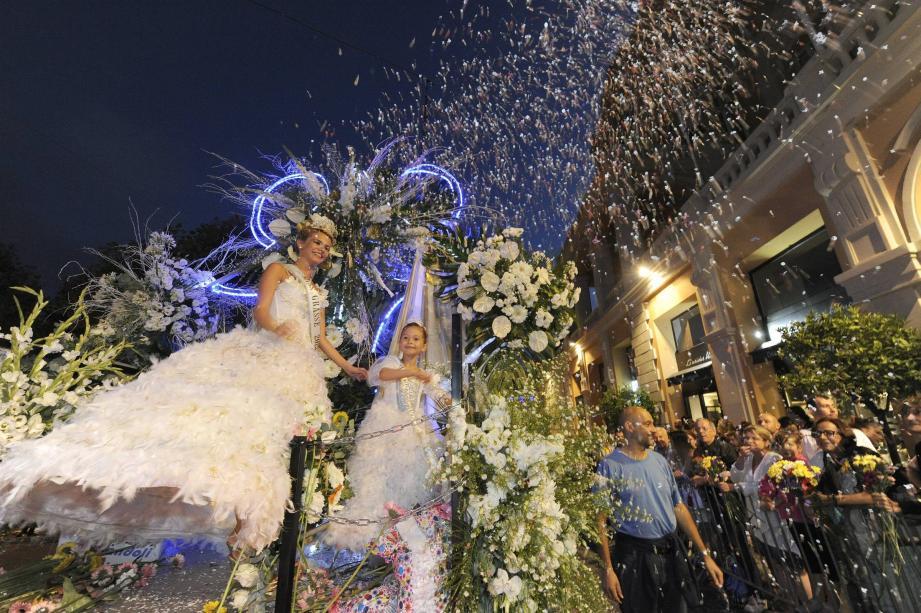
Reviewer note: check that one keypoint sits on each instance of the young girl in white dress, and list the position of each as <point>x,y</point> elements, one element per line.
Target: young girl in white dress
<point>197,446</point>
<point>392,468</point>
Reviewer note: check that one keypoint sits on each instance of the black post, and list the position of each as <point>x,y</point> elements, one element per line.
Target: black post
<point>457,391</point>
<point>457,357</point>
<point>882,414</point>
<point>287,556</point>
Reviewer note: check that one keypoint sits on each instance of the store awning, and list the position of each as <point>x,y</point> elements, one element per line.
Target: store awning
<point>698,371</point>
<point>768,353</point>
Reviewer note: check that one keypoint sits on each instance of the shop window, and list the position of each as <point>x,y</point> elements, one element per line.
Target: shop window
<point>799,280</point>
<point>690,345</point>
<point>688,329</point>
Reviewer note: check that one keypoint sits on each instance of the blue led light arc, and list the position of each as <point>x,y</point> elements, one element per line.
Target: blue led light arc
<point>266,240</point>
<point>383,325</point>
<point>255,219</point>
<point>437,171</point>
<point>259,233</point>
<point>233,292</point>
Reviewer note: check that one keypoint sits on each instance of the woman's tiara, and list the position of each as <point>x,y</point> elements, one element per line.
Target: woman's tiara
<point>319,222</point>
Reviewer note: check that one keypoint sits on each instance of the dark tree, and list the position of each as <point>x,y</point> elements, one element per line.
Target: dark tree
<point>13,272</point>
<point>198,242</point>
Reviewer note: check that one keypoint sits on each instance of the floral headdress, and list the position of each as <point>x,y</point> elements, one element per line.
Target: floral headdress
<point>319,222</point>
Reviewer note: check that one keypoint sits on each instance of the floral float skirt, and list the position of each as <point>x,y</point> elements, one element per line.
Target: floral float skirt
<point>195,442</point>
<point>417,548</point>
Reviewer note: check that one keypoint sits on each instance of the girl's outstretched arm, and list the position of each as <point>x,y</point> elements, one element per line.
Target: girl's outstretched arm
<point>393,374</point>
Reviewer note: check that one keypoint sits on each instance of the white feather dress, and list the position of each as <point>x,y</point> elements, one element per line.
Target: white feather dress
<point>390,468</point>
<point>180,451</point>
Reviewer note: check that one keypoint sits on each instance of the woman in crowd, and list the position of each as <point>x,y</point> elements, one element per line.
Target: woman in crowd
<point>771,535</point>
<point>854,532</point>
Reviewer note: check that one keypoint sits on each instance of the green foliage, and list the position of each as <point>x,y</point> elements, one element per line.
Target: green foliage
<point>614,402</point>
<point>849,351</point>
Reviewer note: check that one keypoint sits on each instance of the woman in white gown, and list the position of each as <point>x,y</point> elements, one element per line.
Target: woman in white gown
<point>197,446</point>
<point>393,468</point>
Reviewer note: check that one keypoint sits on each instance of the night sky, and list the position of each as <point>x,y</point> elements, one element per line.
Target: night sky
<point>105,104</point>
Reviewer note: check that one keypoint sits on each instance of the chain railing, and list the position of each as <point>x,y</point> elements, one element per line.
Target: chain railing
<point>287,558</point>
<point>803,557</point>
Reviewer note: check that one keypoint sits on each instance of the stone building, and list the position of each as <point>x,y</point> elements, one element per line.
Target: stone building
<point>821,204</point>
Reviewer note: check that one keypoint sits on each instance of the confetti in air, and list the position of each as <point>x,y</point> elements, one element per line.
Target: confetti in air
<point>548,105</point>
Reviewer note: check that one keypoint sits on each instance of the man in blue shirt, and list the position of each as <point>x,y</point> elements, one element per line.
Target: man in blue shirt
<point>647,572</point>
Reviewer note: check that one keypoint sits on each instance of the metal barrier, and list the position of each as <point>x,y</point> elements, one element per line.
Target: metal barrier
<point>805,558</point>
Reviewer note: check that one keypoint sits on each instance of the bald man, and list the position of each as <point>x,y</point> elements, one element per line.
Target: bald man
<point>661,442</point>
<point>769,422</point>
<point>648,570</point>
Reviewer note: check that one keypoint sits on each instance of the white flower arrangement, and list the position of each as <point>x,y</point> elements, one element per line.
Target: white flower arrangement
<point>357,330</point>
<point>538,341</point>
<point>524,464</point>
<point>501,326</point>
<point>334,336</point>
<point>330,369</point>
<point>247,575</point>
<point>523,536</point>
<point>324,485</point>
<point>42,380</point>
<point>510,295</point>
<point>156,301</point>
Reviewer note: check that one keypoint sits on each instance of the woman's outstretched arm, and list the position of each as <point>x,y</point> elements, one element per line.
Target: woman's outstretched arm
<point>356,372</point>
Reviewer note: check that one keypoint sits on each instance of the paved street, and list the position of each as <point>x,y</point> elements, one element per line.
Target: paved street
<point>173,590</point>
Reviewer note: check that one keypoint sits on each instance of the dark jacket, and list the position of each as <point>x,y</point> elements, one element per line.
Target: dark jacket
<point>720,448</point>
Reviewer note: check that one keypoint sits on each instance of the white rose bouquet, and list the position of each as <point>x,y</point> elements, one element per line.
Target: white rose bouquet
<point>506,293</point>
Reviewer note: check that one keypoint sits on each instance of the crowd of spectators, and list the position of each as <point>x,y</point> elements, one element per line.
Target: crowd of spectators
<point>844,534</point>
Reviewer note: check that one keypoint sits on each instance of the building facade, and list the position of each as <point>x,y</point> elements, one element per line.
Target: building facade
<point>820,204</point>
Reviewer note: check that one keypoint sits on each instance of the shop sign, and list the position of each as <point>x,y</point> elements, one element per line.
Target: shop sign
<point>696,355</point>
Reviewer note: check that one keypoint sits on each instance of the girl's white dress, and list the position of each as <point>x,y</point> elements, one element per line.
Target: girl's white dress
<point>178,452</point>
<point>389,468</point>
